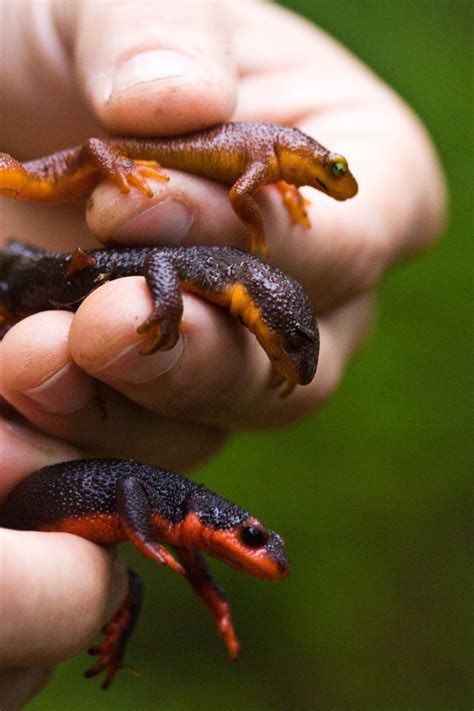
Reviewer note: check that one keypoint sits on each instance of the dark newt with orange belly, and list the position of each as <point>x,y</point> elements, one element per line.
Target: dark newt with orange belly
<point>110,501</point>
<point>268,302</point>
<point>244,155</point>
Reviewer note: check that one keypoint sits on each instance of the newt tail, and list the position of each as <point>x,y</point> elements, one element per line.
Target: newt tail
<point>110,501</point>
<point>244,155</point>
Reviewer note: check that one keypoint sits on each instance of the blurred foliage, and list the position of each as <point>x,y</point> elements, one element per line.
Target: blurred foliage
<point>371,493</point>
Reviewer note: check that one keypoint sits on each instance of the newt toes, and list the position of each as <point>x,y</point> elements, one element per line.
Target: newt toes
<point>243,155</point>
<point>109,501</point>
<point>269,303</point>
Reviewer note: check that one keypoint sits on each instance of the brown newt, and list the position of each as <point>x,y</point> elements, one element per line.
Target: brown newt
<point>244,155</point>
<point>268,302</point>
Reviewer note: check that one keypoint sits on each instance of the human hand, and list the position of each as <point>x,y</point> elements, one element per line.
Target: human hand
<point>48,612</point>
<point>58,96</point>
<point>187,69</point>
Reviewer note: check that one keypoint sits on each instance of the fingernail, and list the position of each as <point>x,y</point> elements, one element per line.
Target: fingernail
<point>171,218</point>
<point>134,367</point>
<point>65,392</point>
<point>153,66</point>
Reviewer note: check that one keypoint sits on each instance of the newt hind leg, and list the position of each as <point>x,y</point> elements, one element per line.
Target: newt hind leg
<point>117,632</point>
<point>294,203</point>
<point>123,171</point>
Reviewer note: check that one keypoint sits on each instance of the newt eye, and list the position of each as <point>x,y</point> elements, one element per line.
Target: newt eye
<point>291,343</point>
<point>339,168</point>
<point>253,537</point>
<point>307,332</point>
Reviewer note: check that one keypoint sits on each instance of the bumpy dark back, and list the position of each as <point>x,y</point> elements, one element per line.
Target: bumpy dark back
<point>89,486</point>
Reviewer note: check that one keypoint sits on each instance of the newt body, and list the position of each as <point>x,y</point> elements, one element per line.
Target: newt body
<point>270,304</point>
<point>244,155</point>
<point>111,501</point>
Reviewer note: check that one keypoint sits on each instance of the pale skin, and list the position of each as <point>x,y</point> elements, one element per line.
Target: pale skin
<point>195,64</point>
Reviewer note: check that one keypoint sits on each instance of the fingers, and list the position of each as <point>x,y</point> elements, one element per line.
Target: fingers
<point>217,378</point>
<point>55,394</point>
<point>185,210</point>
<point>160,67</point>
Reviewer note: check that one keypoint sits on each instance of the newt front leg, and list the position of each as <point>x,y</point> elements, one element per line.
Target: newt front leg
<point>242,199</point>
<point>125,172</point>
<point>134,511</point>
<point>163,323</point>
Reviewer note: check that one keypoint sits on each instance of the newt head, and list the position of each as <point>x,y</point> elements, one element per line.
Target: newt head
<point>295,354</point>
<point>288,331</point>
<point>227,532</point>
<point>327,172</point>
<point>276,309</point>
<point>304,161</point>
<point>253,549</point>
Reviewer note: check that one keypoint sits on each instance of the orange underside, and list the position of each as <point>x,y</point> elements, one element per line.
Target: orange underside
<point>238,301</point>
<point>105,529</point>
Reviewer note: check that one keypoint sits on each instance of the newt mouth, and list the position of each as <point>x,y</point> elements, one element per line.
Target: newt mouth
<point>323,185</point>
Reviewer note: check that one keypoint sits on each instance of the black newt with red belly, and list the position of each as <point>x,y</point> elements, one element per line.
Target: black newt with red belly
<point>269,303</point>
<point>110,501</point>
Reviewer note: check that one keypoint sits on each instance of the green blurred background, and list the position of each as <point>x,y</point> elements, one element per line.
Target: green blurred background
<point>371,493</point>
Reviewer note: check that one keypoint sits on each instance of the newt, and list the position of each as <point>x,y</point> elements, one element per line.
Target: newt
<point>273,306</point>
<point>110,501</point>
<point>243,155</point>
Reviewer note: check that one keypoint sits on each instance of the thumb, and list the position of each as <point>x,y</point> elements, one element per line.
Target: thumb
<point>154,67</point>
<point>57,590</point>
